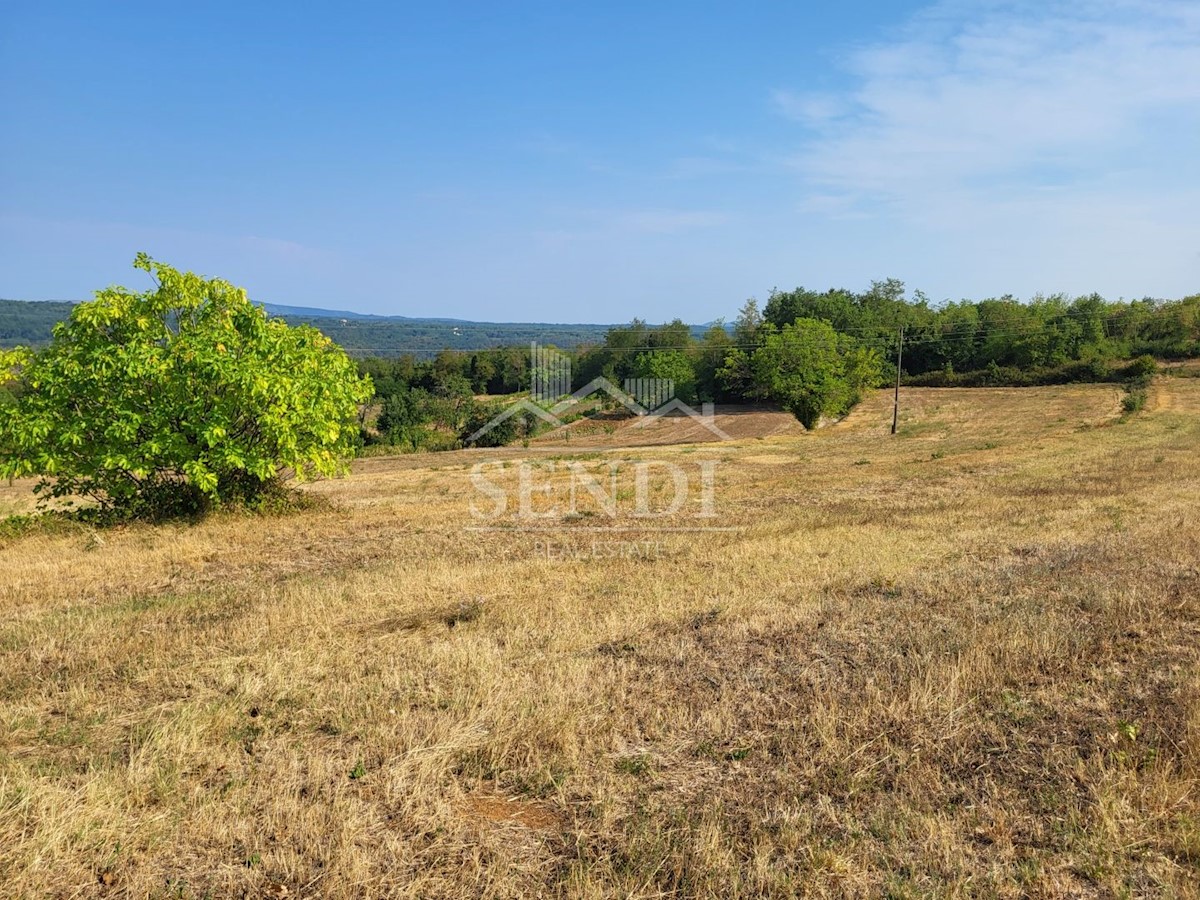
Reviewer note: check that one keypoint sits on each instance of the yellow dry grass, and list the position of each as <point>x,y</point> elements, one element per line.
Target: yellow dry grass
<point>961,661</point>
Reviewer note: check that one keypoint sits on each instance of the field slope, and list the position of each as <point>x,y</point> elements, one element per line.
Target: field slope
<point>961,660</point>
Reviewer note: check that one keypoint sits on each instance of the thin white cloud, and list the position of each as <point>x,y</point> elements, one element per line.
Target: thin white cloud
<point>983,90</point>
<point>1060,130</point>
<point>811,108</point>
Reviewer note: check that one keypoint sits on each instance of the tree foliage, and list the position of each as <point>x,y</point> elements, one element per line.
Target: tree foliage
<point>675,366</point>
<point>178,397</point>
<point>812,371</point>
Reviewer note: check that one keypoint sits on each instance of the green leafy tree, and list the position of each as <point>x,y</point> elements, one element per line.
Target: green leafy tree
<point>12,363</point>
<point>710,357</point>
<point>734,375</point>
<point>404,417</point>
<point>177,398</point>
<point>483,372</point>
<point>674,335</point>
<point>668,365</point>
<point>812,371</point>
<point>452,401</point>
<point>500,433</point>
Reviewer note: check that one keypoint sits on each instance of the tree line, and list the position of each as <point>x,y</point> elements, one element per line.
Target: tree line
<point>812,352</point>
<point>970,336</point>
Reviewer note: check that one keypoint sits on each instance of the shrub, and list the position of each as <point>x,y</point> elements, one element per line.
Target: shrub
<point>1086,371</point>
<point>521,426</point>
<point>1082,372</point>
<point>1133,401</point>
<point>178,398</point>
<point>1139,372</point>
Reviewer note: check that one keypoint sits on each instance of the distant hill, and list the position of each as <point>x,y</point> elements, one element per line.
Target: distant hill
<point>23,322</point>
<point>396,335</point>
<point>277,309</point>
<point>361,334</point>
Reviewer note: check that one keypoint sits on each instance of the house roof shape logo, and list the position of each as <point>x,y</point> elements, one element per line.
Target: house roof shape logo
<point>523,405</point>
<point>551,370</point>
<point>600,383</point>
<point>707,417</point>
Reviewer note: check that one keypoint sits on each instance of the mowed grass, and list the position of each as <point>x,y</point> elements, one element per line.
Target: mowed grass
<point>959,661</point>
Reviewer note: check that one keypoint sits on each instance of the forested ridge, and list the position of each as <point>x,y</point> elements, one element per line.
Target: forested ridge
<point>24,322</point>
<point>30,323</point>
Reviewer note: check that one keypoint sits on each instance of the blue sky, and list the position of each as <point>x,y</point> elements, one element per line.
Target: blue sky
<point>567,161</point>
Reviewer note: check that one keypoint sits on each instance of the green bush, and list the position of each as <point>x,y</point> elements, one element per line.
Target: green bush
<point>1088,371</point>
<point>1143,366</point>
<point>521,426</point>
<point>1133,401</point>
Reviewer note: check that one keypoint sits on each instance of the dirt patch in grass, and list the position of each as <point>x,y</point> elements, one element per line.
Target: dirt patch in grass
<point>494,808</point>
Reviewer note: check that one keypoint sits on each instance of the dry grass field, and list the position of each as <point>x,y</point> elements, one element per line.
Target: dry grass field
<point>961,661</point>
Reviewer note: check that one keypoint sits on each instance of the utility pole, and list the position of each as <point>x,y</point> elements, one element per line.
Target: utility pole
<point>896,403</point>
